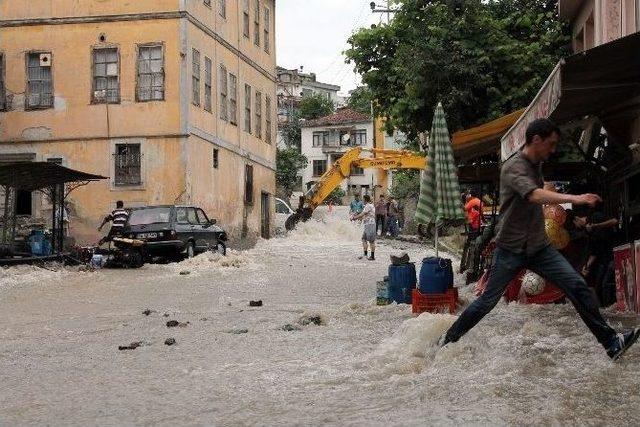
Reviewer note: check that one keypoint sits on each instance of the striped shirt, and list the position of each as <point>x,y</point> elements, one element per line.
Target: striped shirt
<point>118,218</point>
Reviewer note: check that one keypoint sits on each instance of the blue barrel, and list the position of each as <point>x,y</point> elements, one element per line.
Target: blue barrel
<point>402,281</point>
<point>37,243</point>
<point>436,275</point>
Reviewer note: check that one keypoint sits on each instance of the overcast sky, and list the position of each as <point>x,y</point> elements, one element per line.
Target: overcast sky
<point>314,33</point>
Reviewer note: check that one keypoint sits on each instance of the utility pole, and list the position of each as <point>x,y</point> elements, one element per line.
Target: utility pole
<point>383,9</point>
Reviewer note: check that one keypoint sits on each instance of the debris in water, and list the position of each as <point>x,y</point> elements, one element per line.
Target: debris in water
<point>170,341</point>
<point>165,315</point>
<point>237,331</point>
<point>308,319</point>
<point>257,303</point>
<point>148,312</point>
<point>289,327</point>
<point>185,272</point>
<point>132,346</point>
<point>183,325</point>
<point>172,323</point>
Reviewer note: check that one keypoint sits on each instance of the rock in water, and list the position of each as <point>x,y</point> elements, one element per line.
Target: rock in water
<point>172,323</point>
<point>170,341</point>
<point>185,272</point>
<point>257,303</point>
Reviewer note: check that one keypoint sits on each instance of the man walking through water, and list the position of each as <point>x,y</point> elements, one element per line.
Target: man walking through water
<point>368,216</point>
<point>523,243</point>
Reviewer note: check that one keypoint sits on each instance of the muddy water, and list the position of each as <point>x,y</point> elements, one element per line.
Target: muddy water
<point>364,365</point>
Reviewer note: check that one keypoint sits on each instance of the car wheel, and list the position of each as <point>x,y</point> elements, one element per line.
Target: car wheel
<point>191,250</point>
<point>221,248</point>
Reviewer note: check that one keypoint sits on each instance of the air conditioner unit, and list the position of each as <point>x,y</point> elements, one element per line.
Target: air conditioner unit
<point>45,60</point>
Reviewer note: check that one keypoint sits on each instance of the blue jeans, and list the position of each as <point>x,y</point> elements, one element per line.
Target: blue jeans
<point>392,225</point>
<point>549,264</point>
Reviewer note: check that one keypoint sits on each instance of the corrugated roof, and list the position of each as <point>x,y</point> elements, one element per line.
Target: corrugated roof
<point>36,175</point>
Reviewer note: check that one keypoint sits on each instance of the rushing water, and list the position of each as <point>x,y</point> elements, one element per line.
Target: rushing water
<point>363,365</point>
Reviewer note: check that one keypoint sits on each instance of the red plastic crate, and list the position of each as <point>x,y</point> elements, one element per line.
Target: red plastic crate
<point>434,303</point>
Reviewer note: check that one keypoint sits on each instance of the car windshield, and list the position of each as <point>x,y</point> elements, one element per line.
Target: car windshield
<point>149,216</point>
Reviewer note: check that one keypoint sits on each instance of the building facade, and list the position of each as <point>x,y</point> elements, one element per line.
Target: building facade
<point>174,100</point>
<point>292,85</point>
<point>595,22</point>
<point>326,139</point>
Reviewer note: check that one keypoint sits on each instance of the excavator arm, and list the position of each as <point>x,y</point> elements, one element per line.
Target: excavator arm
<point>341,169</point>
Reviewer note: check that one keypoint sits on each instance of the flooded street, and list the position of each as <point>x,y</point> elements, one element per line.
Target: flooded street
<point>273,365</point>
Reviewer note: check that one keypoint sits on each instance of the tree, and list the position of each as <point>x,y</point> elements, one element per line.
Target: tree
<point>288,162</point>
<point>291,131</point>
<point>481,59</point>
<point>360,100</point>
<point>314,106</point>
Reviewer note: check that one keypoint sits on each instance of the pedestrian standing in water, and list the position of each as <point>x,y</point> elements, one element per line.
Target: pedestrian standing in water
<point>523,243</point>
<point>381,215</point>
<point>368,216</point>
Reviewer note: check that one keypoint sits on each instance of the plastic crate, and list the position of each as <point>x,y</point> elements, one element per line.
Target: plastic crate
<point>435,303</point>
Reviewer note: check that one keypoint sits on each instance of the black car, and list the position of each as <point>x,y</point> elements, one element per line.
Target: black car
<point>174,231</point>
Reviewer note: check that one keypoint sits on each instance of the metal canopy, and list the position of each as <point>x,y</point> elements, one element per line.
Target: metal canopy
<point>32,176</point>
<point>597,82</point>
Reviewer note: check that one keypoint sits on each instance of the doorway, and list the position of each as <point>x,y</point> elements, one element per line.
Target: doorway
<point>265,215</point>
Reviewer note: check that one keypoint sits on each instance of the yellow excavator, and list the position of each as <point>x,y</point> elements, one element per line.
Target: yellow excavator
<point>376,158</point>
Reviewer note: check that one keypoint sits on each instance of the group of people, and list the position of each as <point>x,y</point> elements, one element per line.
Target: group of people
<point>387,214</point>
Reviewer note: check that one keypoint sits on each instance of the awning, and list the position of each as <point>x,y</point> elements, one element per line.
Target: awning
<point>37,175</point>
<point>483,139</point>
<point>592,82</point>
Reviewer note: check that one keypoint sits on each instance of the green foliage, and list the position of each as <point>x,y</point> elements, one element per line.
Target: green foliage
<point>288,162</point>
<point>291,131</point>
<point>481,59</point>
<point>335,197</point>
<point>360,100</point>
<point>314,106</point>
<point>406,184</point>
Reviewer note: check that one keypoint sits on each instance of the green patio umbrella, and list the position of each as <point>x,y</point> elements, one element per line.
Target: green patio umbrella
<point>439,188</point>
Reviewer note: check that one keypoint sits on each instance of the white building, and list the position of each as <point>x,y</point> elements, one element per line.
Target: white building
<point>326,139</point>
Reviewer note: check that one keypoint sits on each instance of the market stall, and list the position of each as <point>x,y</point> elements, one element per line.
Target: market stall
<point>35,242</point>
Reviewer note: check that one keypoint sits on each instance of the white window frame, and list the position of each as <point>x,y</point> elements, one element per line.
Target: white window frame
<point>195,77</point>
<point>153,75</point>
<point>28,92</point>
<point>223,80</point>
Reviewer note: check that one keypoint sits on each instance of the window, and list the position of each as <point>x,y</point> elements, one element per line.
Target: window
<point>357,171</point>
<point>195,80</point>
<point>215,158</point>
<point>247,108</point>
<point>223,8</point>
<point>256,23</point>
<point>106,82</point>
<point>258,108</point>
<point>3,96</point>
<point>267,115</point>
<point>245,19</point>
<point>207,3</point>
<point>319,167</point>
<point>223,93</point>
<point>39,81</point>
<point>267,27</point>
<point>637,15</point>
<point>202,217</point>
<point>321,139</point>
<point>233,99</point>
<point>150,83</point>
<point>359,137</point>
<point>207,84</point>
<point>127,164</point>
<point>182,216</point>
<point>248,185</point>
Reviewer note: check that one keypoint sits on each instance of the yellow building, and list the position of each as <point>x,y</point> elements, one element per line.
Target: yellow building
<point>174,100</point>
